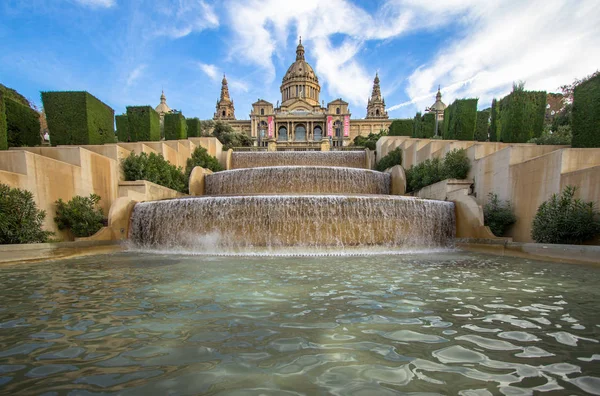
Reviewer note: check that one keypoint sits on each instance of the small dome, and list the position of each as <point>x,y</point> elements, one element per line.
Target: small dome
<point>300,68</point>
<point>163,108</point>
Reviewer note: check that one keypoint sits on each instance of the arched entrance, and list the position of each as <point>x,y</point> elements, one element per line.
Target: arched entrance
<point>282,135</point>
<point>317,133</point>
<point>300,133</point>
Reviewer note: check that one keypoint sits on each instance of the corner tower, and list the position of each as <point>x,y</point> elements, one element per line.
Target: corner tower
<point>225,109</point>
<point>376,104</point>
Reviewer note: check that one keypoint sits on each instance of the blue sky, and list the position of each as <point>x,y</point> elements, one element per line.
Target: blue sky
<point>125,51</point>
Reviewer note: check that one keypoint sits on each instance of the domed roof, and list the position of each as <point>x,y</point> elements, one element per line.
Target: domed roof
<point>163,108</point>
<point>438,105</point>
<point>300,68</point>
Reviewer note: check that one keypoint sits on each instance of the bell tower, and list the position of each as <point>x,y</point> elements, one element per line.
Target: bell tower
<point>376,104</point>
<point>225,109</point>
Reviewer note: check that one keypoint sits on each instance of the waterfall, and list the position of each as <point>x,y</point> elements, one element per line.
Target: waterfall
<point>298,180</point>
<point>349,159</point>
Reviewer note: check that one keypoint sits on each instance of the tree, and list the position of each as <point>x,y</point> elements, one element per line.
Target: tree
<point>228,137</point>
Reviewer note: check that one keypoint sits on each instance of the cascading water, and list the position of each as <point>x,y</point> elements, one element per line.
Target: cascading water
<point>349,159</point>
<point>298,180</point>
<point>292,208</point>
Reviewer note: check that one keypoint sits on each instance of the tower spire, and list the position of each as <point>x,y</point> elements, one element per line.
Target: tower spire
<point>224,89</point>
<point>300,50</point>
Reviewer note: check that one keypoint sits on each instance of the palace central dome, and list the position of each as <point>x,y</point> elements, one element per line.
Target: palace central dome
<point>300,81</point>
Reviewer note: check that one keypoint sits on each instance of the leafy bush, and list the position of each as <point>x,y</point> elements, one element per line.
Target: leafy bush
<point>369,141</point>
<point>200,157</point>
<point>193,127</point>
<point>401,127</point>
<point>519,116</point>
<point>498,215</point>
<point>562,136</point>
<point>23,125</point>
<point>175,126</point>
<point>144,123</point>
<point>455,165</point>
<point>460,119</point>
<point>154,168</point>
<point>586,113</point>
<point>80,215</point>
<point>229,138</point>
<point>78,118</point>
<point>20,219</point>
<point>394,157</point>
<point>563,219</point>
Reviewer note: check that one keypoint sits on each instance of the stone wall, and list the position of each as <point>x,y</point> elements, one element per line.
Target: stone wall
<point>525,174</point>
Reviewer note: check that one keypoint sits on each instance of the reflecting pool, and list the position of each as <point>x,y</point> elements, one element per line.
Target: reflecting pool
<point>439,323</point>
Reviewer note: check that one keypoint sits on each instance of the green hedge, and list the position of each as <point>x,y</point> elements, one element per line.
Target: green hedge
<point>3,137</point>
<point>23,125</point>
<point>586,114</point>
<point>144,123</point>
<point>520,116</point>
<point>78,118</point>
<point>123,128</point>
<point>482,126</point>
<point>428,125</point>
<point>175,126</point>
<point>494,122</point>
<point>193,127</point>
<point>10,93</point>
<point>401,127</point>
<point>393,158</point>
<point>460,119</point>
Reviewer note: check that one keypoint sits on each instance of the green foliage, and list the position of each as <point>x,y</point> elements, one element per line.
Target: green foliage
<point>10,93</point>
<point>562,136</point>
<point>401,127</point>
<point>200,157</point>
<point>3,133</point>
<point>586,113</point>
<point>494,122</point>
<point>428,126</point>
<point>144,123</point>
<point>175,126</point>
<point>417,121</point>
<point>154,168</point>
<point>394,157</point>
<point>563,219</point>
<point>23,125</point>
<point>455,165</point>
<point>369,141</point>
<point>80,215</point>
<point>460,119</point>
<point>498,215</point>
<point>20,219</point>
<point>482,126</point>
<point>78,118</point>
<point>224,132</point>
<point>206,128</point>
<point>123,128</point>
<point>520,115</point>
<point>193,127</point>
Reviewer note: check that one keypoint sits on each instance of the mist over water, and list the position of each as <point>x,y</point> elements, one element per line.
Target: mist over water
<point>443,323</point>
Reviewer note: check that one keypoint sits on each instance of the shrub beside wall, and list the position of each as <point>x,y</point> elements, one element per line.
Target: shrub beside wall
<point>78,118</point>
<point>123,128</point>
<point>428,125</point>
<point>586,114</point>
<point>393,158</point>
<point>175,126</point>
<point>154,168</point>
<point>200,157</point>
<point>498,215</point>
<point>193,127</point>
<point>23,125</point>
<point>482,126</point>
<point>80,215</point>
<point>20,219</point>
<point>144,123</point>
<point>455,165</point>
<point>401,127</point>
<point>460,119</point>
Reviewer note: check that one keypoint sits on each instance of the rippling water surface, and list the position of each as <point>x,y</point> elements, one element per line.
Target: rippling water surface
<point>444,323</point>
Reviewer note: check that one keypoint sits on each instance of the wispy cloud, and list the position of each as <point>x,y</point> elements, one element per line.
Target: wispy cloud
<point>185,17</point>
<point>211,71</point>
<point>97,3</point>
<point>135,74</point>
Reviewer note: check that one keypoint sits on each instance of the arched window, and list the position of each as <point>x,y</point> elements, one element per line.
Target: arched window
<point>337,111</point>
<point>300,132</point>
<point>262,111</point>
<point>223,113</point>
<point>317,133</point>
<point>283,135</point>
<point>377,112</point>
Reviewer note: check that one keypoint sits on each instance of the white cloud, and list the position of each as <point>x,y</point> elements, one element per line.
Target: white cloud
<point>185,17</point>
<point>135,74</point>
<point>215,74</point>
<point>97,3</point>
<point>211,71</point>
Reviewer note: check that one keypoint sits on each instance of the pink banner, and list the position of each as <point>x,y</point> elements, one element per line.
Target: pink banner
<point>329,125</point>
<point>270,123</point>
<point>346,126</point>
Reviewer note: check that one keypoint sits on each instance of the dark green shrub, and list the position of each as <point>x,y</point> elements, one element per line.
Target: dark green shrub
<point>369,141</point>
<point>494,121</point>
<point>482,126</point>
<point>417,125</point>
<point>123,128</point>
<point>562,136</point>
<point>200,157</point>
<point>401,127</point>
<point>3,134</point>
<point>586,113</point>
<point>456,165</point>
<point>520,115</point>
<point>154,168</point>
<point>20,219</point>
<point>175,126</point>
<point>144,123</point>
<point>228,138</point>
<point>563,219</point>
<point>10,93</point>
<point>193,127</point>
<point>23,125</point>
<point>460,119</point>
<point>78,118</point>
<point>80,215</point>
<point>393,158</point>
<point>428,126</point>
<point>498,215</point>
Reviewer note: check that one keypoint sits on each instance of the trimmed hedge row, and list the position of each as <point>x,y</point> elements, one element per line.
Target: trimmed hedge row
<point>193,127</point>
<point>22,125</point>
<point>586,114</point>
<point>144,123</point>
<point>78,117</point>
<point>123,128</point>
<point>401,127</point>
<point>482,126</point>
<point>460,119</point>
<point>494,121</point>
<point>175,126</point>
<point>519,116</point>
<point>3,135</point>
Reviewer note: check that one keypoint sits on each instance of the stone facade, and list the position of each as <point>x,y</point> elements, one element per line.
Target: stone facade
<point>301,116</point>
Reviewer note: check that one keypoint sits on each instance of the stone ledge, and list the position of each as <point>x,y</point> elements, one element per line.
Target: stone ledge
<point>32,252</point>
